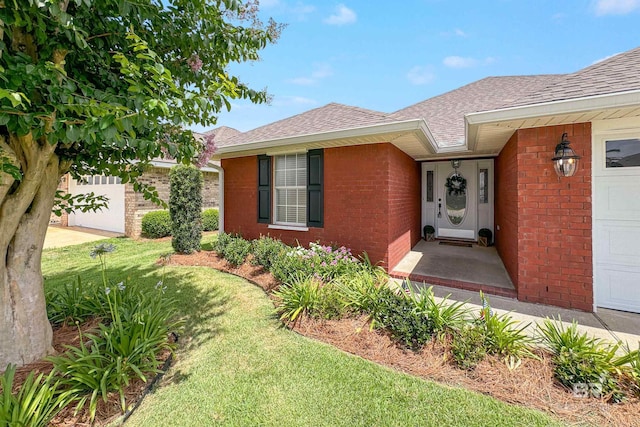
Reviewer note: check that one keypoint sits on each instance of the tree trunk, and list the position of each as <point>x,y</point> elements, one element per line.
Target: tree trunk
<point>25,332</point>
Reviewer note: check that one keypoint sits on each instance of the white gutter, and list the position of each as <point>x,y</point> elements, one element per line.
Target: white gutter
<point>402,126</point>
<point>566,106</point>
<point>218,168</point>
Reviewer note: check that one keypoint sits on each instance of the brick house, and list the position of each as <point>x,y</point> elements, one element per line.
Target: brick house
<point>477,157</point>
<point>127,207</point>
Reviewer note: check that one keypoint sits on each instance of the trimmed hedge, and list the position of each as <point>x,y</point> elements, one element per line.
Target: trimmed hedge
<point>185,206</point>
<point>210,219</point>
<point>156,224</point>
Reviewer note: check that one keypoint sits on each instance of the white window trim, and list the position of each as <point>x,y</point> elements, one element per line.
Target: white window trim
<point>281,225</point>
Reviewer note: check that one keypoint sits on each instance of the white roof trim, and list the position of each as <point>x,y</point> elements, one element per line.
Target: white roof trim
<point>168,164</point>
<point>565,106</point>
<point>419,126</point>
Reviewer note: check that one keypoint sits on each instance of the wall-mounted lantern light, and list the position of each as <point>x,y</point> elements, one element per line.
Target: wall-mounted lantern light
<point>565,160</point>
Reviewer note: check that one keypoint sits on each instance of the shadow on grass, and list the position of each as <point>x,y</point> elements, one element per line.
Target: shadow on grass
<point>198,301</point>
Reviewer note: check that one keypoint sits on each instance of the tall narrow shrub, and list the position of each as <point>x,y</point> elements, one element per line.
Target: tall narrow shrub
<point>185,207</point>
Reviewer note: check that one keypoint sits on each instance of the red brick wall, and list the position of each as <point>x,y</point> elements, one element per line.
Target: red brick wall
<point>554,250</point>
<point>404,205</point>
<point>506,207</point>
<point>357,213</point>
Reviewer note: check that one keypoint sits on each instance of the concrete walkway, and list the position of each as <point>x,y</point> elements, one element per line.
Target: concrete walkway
<point>610,325</point>
<point>58,237</point>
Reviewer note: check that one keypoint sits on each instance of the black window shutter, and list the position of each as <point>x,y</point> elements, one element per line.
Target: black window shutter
<point>315,179</point>
<point>264,189</point>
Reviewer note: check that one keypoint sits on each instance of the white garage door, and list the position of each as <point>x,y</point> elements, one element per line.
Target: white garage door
<point>110,218</point>
<point>616,166</point>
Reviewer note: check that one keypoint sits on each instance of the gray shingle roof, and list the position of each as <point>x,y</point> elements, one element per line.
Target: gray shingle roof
<point>331,117</point>
<point>221,134</point>
<point>444,113</point>
<point>619,73</point>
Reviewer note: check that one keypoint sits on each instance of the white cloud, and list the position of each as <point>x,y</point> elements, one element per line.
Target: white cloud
<point>284,101</point>
<point>320,71</point>
<point>459,62</point>
<point>420,75</point>
<point>458,32</point>
<point>616,7</point>
<point>343,16</point>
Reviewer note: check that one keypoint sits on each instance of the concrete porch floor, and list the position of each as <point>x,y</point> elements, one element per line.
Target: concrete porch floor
<point>474,268</point>
<point>463,271</point>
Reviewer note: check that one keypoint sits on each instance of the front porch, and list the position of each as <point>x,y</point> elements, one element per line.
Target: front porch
<point>443,263</point>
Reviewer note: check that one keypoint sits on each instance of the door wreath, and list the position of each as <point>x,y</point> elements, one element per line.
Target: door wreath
<point>456,185</point>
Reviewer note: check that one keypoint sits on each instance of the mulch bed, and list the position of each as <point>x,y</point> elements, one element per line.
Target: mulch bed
<point>531,385</point>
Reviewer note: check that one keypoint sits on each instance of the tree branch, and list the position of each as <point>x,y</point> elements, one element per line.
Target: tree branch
<point>6,180</point>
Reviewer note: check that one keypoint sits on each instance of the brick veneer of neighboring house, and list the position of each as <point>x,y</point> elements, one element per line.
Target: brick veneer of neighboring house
<point>371,202</point>
<point>62,220</point>
<point>545,235</point>
<point>136,206</point>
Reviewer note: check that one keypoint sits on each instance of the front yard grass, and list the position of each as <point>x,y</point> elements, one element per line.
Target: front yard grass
<point>236,365</point>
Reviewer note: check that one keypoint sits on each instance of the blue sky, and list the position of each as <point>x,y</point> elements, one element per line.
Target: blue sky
<point>386,55</point>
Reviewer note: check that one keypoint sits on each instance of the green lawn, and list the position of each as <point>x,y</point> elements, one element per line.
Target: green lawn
<point>237,366</point>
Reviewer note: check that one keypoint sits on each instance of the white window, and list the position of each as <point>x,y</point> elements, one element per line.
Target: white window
<point>291,189</point>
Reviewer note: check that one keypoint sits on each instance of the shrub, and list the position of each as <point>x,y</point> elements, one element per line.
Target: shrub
<point>322,262</point>
<point>34,404</point>
<point>185,207</point>
<point>220,245</point>
<point>581,363</point>
<point>395,312</point>
<point>266,251</point>
<point>236,250</point>
<point>156,224</point>
<point>468,346</point>
<point>210,219</point>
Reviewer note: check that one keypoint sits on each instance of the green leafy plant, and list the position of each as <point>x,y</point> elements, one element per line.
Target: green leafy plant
<point>630,363</point>
<point>34,404</point>
<point>468,345</point>
<point>73,302</point>
<point>581,361</point>
<point>444,315</point>
<point>502,337</point>
<point>361,291</point>
<point>236,250</point>
<point>322,262</point>
<point>301,296</point>
<point>266,251</point>
<point>156,224</point>
<point>185,207</point>
<point>210,219</point>
<point>395,312</point>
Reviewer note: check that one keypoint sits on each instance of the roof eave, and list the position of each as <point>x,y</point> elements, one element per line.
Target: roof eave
<point>418,126</point>
<point>575,105</point>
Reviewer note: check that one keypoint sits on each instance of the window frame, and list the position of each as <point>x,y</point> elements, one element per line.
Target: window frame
<point>298,187</point>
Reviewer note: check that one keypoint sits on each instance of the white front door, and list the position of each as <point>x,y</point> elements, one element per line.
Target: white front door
<point>455,213</point>
<point>457,209</point>
<point>616,220</point>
